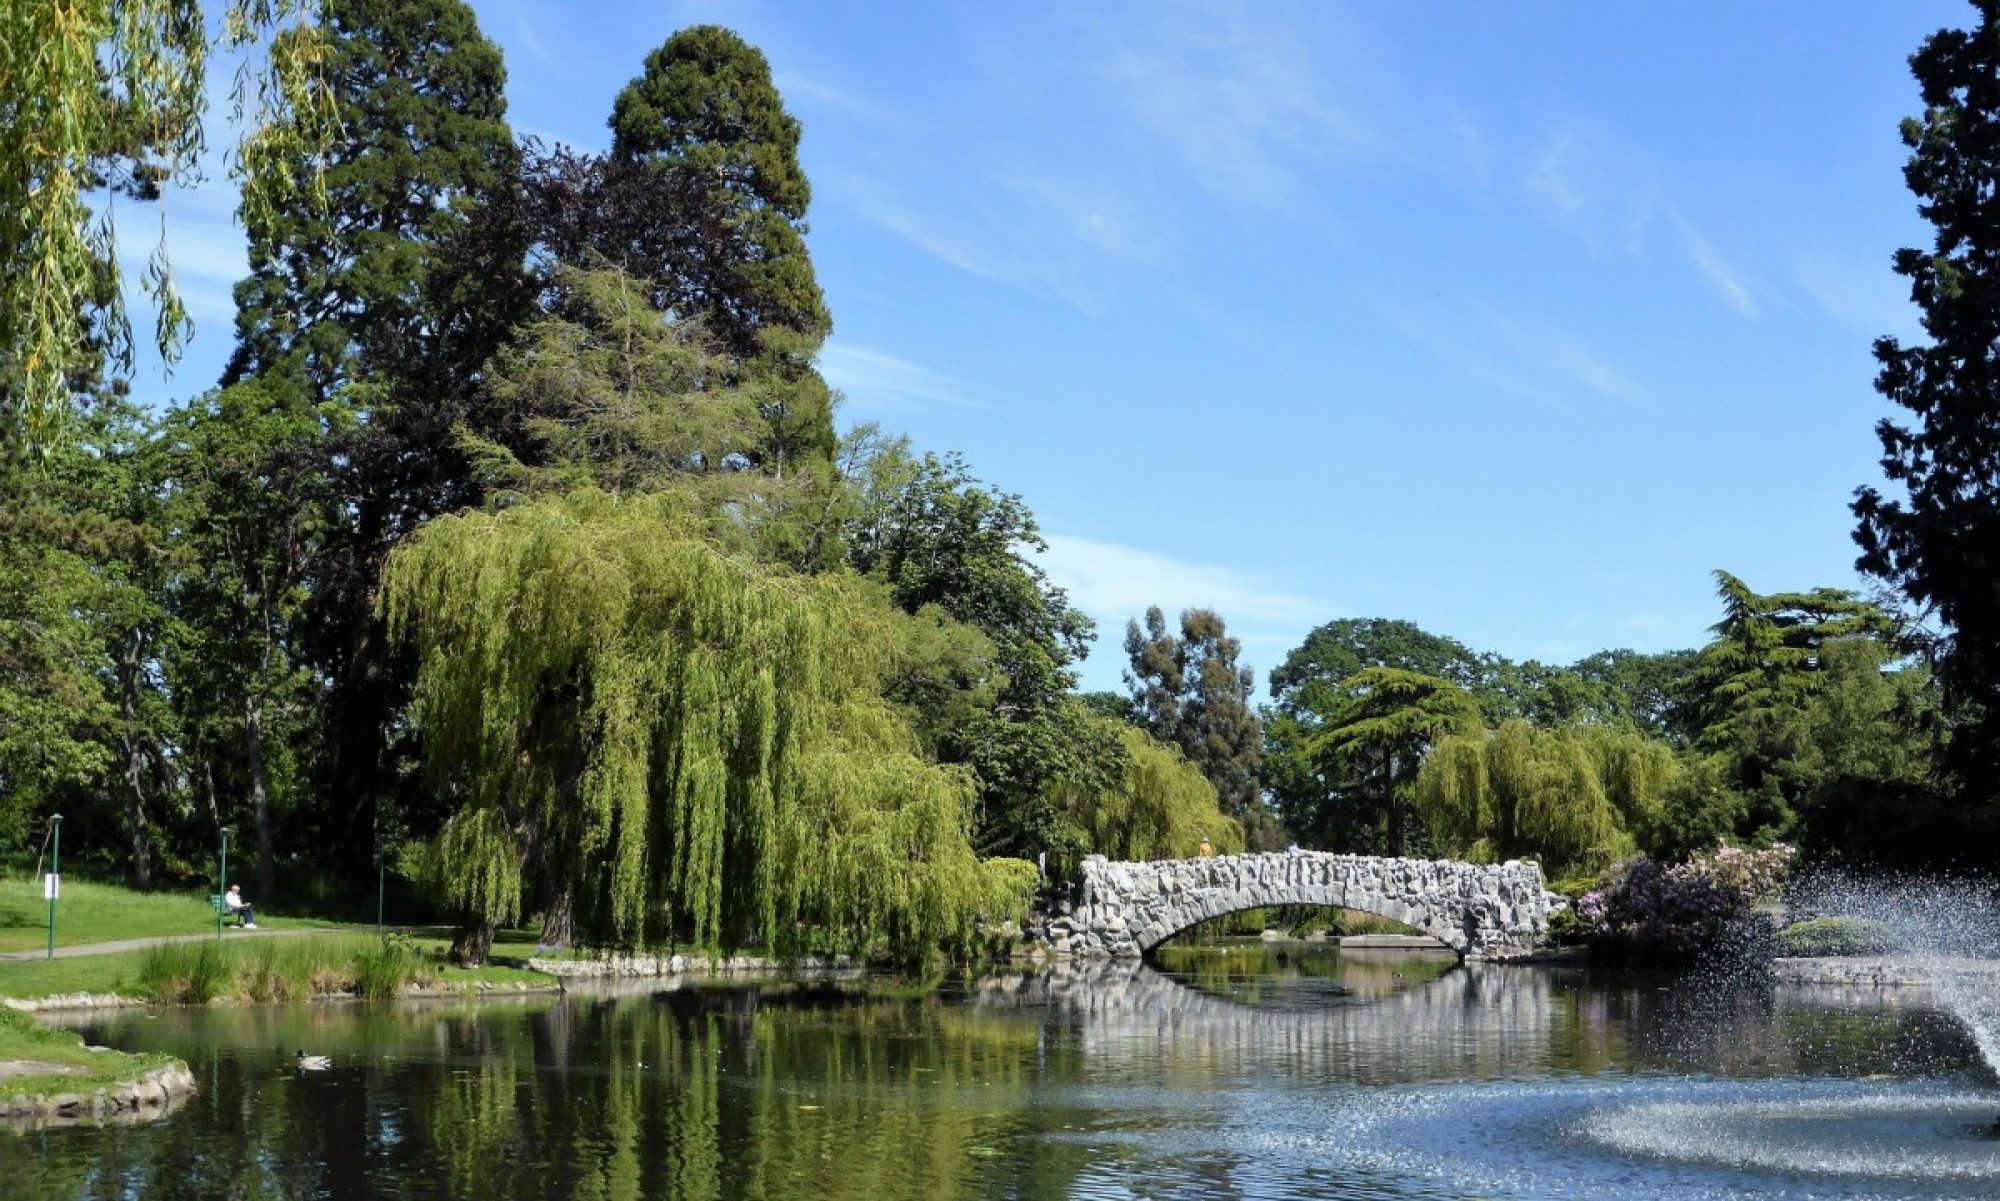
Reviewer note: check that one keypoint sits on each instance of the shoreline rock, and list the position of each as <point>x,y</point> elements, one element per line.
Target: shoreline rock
<point>70,1001</point>
<point>1878,971</point>
<point>652,966</point>
<point>155,1093</point>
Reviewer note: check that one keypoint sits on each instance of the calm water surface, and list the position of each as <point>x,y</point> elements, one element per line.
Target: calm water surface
<point>1231,1071</point>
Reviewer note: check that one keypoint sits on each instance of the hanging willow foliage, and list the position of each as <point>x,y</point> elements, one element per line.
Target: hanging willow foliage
<point>1572,798</point>
<point>1162,808</point>
<point>88,85</point>
<point>688,745</point>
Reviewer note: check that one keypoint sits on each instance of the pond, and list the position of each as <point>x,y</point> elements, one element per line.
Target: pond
<point>1228,1070</point>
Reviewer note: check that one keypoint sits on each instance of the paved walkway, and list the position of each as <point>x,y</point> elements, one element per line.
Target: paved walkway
<point>232,934</point>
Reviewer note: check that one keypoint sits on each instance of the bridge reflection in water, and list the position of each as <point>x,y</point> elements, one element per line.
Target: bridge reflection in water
<point>1470,1020</point>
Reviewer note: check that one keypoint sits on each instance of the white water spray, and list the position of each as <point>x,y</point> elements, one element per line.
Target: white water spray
<point>1946,931</point>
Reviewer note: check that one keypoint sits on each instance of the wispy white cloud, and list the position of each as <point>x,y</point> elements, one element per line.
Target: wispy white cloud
<point>1718,272</point>
<point>1114,582</point>
<point>1513,355</point>
<point>1034,233</point>
<point>1521,357</point>
<point>811,92</point>
<point>1242,105</point>
<point>879,379</point>
<point>526,36</point>
<point>1090,210</point>
<point>1615,204</point>
<point>1569,360</point>
<point>1471,149</point>
<point>1869,298</point>
<point>898,219</point>
<point>1548,181</point>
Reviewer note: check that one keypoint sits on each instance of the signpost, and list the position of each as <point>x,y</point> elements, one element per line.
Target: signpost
<point>52,883</point>
<point>222,882</point>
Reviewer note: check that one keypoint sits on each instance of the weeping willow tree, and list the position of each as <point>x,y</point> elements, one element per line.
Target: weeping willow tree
<point>655,742</point>
<point>1162,807</point>
<point>1572,798</point>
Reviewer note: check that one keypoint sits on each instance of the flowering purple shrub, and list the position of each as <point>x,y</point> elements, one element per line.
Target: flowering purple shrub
<point>1759,875</point>
<point>1649,912</point>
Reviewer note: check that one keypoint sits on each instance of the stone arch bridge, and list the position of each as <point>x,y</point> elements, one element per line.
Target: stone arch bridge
<point>1123,910</point>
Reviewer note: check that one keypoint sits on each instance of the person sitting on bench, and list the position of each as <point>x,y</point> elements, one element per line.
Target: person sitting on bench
<point>240,907</point>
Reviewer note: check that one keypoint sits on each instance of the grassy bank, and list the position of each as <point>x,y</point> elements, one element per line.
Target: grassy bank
<point>38,1061</point>
<point>106,913</point>
<point>263,970</point>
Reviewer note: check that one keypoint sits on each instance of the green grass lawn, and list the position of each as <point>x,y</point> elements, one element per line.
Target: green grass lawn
<point>105,913</point>
<point>92,974</point>
<point>336,956</point>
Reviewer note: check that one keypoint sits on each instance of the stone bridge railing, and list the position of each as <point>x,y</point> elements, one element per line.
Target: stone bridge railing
<point>1123,910</point>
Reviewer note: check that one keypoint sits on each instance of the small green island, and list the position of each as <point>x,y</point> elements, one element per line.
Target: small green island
<point>53,1075</point>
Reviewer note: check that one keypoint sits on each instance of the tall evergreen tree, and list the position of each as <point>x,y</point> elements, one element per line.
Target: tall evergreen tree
<point>1940,541</point>
<point>1771,649</point>
<point>1188,690</point>
<point>387,300</point>
<point>1381,723</point>
<point>705,112</point>
<point>355,289</point>
<point>1761,700</point>
<point>703,185</point>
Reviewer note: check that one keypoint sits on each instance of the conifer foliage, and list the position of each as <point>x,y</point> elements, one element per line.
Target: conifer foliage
<point>1938,540</point>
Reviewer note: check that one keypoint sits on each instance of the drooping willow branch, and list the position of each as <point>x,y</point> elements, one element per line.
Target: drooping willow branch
<point>93,88</point>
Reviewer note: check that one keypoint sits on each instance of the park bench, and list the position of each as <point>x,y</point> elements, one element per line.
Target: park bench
<point>215,902</point>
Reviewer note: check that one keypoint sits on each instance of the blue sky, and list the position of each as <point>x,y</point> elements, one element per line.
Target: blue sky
<point>1515,321</point>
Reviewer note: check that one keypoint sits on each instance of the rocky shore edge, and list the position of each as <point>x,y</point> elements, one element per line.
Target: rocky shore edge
<point>1880,971</point>
<point>58,1002</point>
<point>154,1094</point>
<point>83,1001</point>
<point>622,967</point>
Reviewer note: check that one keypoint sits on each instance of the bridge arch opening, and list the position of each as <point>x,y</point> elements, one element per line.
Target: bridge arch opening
<point>1322,925</point>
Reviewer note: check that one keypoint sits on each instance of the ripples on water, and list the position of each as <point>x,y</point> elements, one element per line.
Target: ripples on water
<point>1235,1071</point>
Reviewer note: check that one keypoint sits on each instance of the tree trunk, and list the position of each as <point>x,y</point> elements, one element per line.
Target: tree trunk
<point>260,798</point>
<point>474,942</point>
<point>140,841</point>
<point>558,914</point>
<point>1390,807</point>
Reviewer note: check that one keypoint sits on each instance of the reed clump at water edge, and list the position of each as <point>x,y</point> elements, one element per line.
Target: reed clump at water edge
<point>289,969</point>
